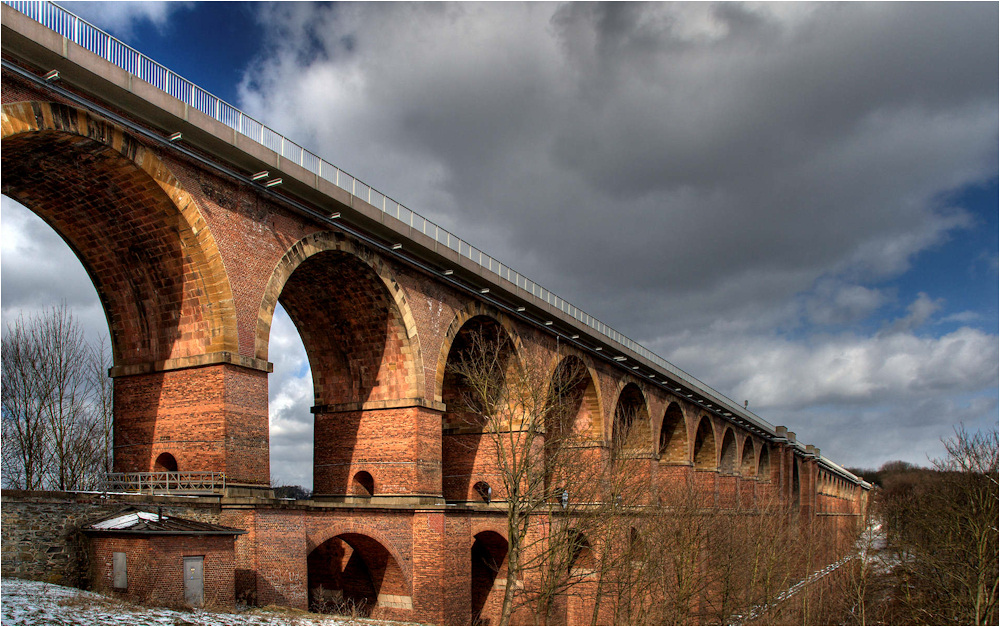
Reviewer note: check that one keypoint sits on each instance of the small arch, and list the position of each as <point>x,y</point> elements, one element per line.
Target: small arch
<point>363,484</point>
<point>748,458</point>
<point>764,464</point>
<point>165,462</point>
<point>630,429</point>
<point>484,491</point>
<point>727,455</point>
<point>636,545</point>
<point>673,436</point>
<point>704,446</point>
<point>581,552</point>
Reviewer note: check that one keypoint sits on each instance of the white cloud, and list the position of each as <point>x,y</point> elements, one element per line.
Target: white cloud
<point>122,17</point>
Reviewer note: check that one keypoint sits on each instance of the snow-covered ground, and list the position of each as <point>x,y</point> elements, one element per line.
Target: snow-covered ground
<point>35,603</point>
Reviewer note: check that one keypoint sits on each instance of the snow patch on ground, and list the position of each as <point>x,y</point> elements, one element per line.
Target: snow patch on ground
<point>36,603</point>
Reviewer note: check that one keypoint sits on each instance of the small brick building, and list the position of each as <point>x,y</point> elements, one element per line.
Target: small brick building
<point>166,560</point>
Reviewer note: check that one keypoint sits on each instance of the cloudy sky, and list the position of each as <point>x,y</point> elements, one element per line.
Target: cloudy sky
<point>795,203</point>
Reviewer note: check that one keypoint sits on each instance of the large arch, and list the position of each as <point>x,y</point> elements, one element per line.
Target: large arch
<point>365,359</point>
<point>360,319</point>
<point>162,284</point>
<point>674,447</point>
<point>481,353</point>
<point>575,399</point>
<point>630,429</point>
<point>136,230</point>
<point>474,309</point>
<point>359,571</point>
<point>573,426</point>
<point>704,450</point>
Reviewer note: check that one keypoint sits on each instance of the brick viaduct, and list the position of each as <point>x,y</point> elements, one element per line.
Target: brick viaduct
<point>190,257</point>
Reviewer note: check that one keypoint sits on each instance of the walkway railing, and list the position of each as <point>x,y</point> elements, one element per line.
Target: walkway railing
<point>129,59</point>
<point>166,482</point>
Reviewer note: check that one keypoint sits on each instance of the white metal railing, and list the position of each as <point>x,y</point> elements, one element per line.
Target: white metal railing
<point>166,481</point>
<point>129,59</point>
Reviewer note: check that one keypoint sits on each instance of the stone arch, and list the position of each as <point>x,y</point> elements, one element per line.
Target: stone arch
<point>728,452</point>
<point>703,453</point>
<point>573,388</point>
<point>748,458</point>
<point>467,454</point>
<point>472,310</point>
<point>674,436</point>
<point>358,568</point>
<point>330,257</point>
<point>139,234</point>
<point>488,565</point>
<point>630,428</point>
<point>764,464</point>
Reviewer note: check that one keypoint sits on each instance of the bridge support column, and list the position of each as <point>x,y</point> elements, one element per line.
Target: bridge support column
<point>203,418</point>
<point>442,567</point>
<point>397,443</point>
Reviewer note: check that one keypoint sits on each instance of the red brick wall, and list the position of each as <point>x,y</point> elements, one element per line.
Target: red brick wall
<point>155,567</point>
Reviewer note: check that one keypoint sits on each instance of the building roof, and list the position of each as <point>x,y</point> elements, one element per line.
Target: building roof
<point>157,524</point>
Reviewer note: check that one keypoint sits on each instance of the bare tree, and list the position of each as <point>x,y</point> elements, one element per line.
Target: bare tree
<point>525,415</point>
<point>56,410</point>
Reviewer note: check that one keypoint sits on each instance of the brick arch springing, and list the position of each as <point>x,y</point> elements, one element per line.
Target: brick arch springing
<point>728,452</point>
<point>704,446</point>
<point>352,316</point>
<point>748,458</point>
<point>630,426</point>
<point>674,435</point>
<point>139,234</point>
<point>471,310</point>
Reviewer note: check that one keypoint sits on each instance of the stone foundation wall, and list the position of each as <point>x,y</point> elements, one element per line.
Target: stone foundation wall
<point>41,538</point>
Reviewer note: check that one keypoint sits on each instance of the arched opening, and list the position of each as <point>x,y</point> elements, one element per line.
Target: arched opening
<point>630,430</point>
<point>361,355</point>
<point>572,423</point>
<point>364,484</point>
<point>475,375</point>
<point>704,446</point>
<point>151,257</point>
<point>354,573</point>
<point>727,456</point>
<point>165,463</point>
<point>484,491</point>
<point>748,460</point>
<point>582,554</point>
<point>489,566</point>
<point>636,546</point>
<point>673,436</point>
<point>764,464</point>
